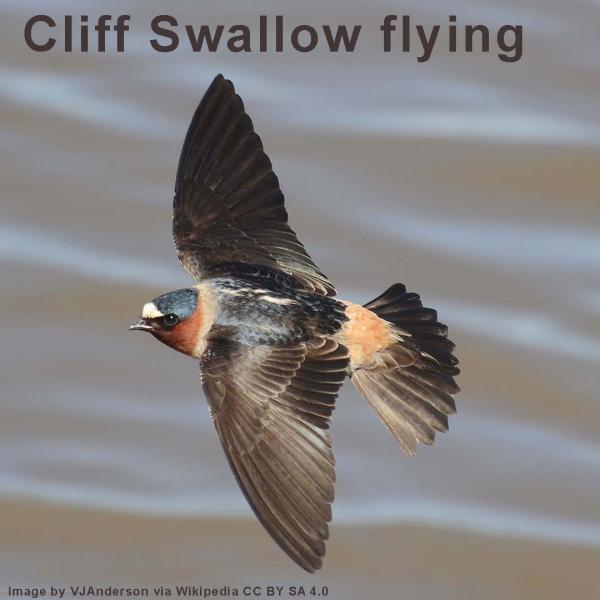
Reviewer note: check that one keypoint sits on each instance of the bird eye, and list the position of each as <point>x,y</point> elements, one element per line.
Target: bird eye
<point>170,320</point>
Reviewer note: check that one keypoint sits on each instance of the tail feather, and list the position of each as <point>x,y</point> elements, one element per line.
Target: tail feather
<point>405,310</point>
<point>415,399</point>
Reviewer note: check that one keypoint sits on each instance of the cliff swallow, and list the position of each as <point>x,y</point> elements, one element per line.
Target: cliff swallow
<point>274,343</point>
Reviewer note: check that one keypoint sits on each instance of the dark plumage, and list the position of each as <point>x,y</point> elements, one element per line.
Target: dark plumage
<point>412,390</point>
<point>228,206</point>
<point>273,344</point>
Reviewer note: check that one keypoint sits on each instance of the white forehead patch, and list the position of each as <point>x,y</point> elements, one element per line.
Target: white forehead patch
<point>150,311</point>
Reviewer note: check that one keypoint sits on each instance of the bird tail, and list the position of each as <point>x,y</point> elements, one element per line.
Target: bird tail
<point>410,383</point>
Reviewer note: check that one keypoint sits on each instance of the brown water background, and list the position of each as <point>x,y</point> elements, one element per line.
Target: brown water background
<point>474,182</point>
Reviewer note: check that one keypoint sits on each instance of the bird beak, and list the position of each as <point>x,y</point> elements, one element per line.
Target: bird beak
<point>141,325</point>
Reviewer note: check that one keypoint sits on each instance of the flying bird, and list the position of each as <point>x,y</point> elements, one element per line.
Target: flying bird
<point>273,342</point>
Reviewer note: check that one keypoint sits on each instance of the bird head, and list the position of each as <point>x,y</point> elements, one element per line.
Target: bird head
<point>173,319</point>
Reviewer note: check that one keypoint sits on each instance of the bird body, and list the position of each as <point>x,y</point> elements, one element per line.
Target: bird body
<point>273,342</point>
<point>220,311</point>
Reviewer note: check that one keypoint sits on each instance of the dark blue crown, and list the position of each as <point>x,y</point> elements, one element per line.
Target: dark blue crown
<point>181,302</point>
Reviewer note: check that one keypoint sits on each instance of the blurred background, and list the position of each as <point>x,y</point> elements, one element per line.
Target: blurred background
<point>474,182</point>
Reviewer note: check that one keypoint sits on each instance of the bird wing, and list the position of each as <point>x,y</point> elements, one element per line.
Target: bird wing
<point>271,407</point>
<point>228,207</point>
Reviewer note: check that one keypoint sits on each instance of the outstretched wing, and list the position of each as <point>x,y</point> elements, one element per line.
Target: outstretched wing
<point>228,207</point>
<point>271,407</point>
